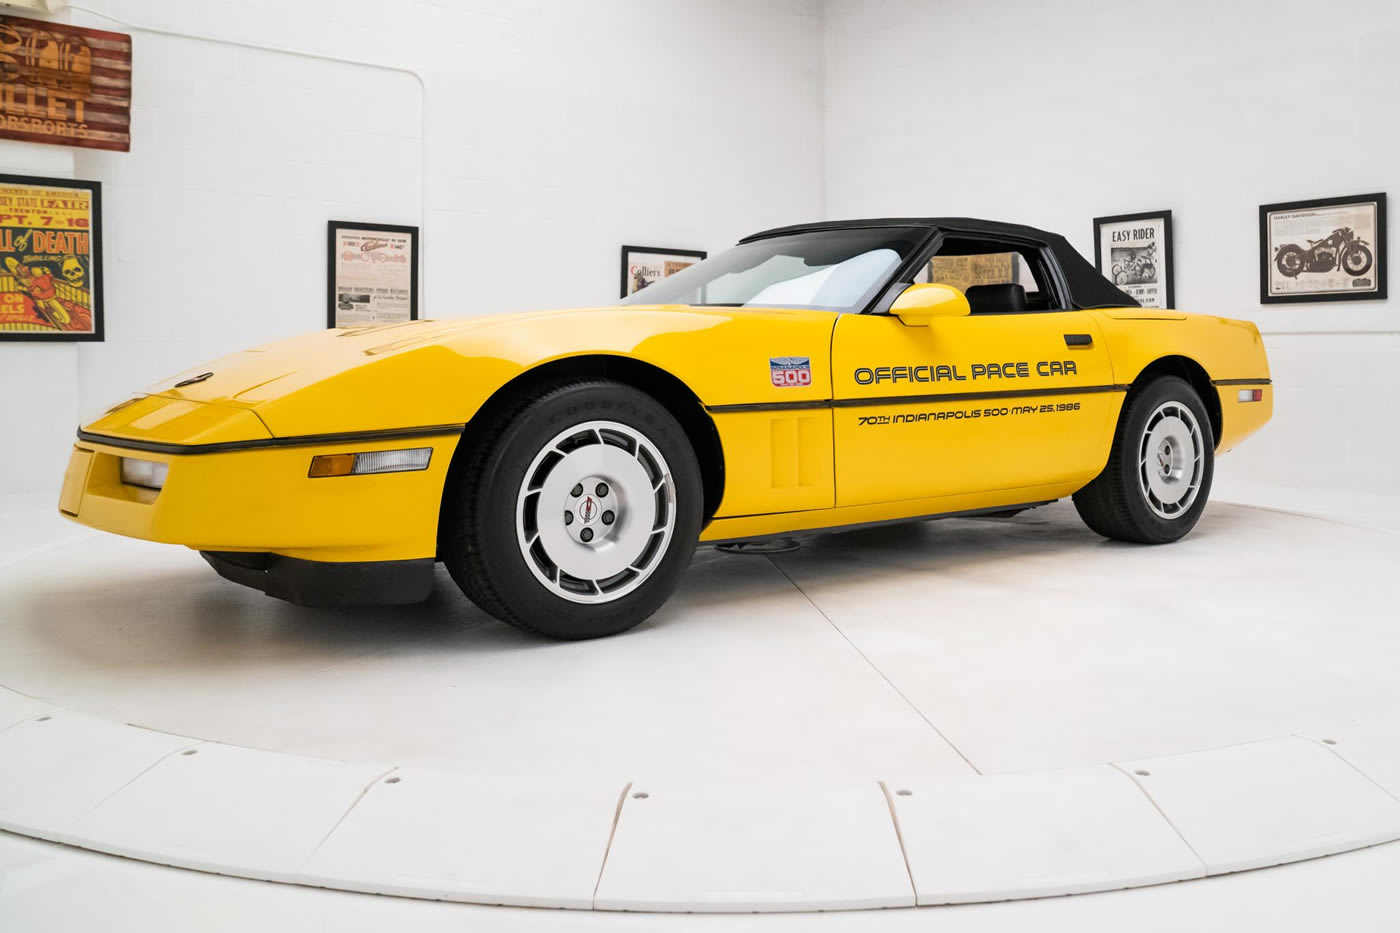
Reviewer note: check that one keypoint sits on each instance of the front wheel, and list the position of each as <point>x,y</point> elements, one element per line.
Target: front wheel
<point>1158,476</point>
<point>579,514</point>
<point>1357,260</point>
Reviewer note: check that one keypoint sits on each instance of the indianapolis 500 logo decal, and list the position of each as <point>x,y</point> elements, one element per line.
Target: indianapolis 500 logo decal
<point>790,372</point>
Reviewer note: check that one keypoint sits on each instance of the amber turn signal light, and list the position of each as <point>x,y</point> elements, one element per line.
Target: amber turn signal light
<point>332,465</point>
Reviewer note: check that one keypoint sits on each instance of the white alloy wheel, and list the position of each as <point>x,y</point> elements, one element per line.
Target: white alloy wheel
<point>595,512</point>
<point>1171,460</point>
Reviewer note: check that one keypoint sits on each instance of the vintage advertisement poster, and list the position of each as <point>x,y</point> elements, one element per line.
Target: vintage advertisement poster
<point>1133,251</point>
<point>50,259</point>
<point>64,85</point>
<point>373,274</point>
<point>1323,250</point>
<point>642,265</point>
<point>962,272</point>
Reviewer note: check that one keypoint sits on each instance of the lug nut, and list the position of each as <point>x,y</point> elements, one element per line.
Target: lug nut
<point>577,490</point>
<point>568,517</point>
<point>586,534</point>
<point>608,518</point>
<point>602,490</point>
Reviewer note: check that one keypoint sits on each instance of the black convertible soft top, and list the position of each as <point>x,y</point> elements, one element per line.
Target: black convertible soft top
<point>1087,287</point>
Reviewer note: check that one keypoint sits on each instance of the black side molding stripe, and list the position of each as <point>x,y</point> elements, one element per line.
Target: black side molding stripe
<point>913,399</point>
<point>973,396</point>
<point>301,440</point>
<point>1241,382</point>
<point>768,406</point>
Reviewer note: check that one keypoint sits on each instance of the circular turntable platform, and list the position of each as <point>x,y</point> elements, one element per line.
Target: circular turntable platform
<point>935,713</point>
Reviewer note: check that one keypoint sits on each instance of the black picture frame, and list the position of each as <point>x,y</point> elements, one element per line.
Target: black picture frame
<point>696,254</point>
<point>95,271</point>
<point>1168,249</point>
<point>415,261</point>
<point>1266,254</point>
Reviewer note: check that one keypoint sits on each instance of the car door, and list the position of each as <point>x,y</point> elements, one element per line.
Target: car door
<point>973,404</point>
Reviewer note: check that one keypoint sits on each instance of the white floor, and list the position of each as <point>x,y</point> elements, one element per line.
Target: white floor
<point>914,655</point>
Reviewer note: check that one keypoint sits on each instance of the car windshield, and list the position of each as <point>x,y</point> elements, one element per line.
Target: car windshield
<point>824,270</point>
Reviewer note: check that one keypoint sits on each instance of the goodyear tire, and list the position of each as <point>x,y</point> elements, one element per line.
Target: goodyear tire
<point>577,513</point>
<point>1158,476</point>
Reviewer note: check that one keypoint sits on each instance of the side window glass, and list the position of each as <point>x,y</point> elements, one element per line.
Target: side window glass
<point>1000,268</point>
<point>997,277</point>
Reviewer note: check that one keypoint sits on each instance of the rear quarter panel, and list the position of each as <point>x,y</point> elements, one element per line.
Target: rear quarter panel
<point>1227,349</point>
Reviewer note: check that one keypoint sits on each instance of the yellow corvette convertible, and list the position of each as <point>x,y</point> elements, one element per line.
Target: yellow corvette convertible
<point>563,465</point>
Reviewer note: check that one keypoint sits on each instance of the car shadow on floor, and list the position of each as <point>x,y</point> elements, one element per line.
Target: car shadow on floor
<point>173,619</point>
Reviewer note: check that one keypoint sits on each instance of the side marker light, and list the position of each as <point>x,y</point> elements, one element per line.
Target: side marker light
<point>375,461</point>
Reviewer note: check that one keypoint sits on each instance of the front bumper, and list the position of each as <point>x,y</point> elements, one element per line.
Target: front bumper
<point>261,500</point>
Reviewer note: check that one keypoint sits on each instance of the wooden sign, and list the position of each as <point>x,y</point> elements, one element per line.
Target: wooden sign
<point>64,85</point>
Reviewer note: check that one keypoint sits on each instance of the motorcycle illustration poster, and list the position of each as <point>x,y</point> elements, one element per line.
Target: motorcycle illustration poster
<point>1323,250</point>
<point>1133,251</point>
<point>50,259</point>
<point>373,274</point>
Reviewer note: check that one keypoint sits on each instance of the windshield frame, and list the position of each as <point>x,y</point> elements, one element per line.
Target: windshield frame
<point>872,298</point>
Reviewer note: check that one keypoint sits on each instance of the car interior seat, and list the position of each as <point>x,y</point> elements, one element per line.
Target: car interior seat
<point>994,299</point>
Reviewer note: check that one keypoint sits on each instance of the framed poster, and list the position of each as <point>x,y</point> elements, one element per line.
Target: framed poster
<point>963,272</point>
<point>642,265</point>
<point>1134,252</point>
<point>64,85</point>
<point>1327,249</point>
<point>372,273</point>
<point>50,258</point>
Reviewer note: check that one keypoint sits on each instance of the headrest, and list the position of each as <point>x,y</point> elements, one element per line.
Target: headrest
<point>985,299</point>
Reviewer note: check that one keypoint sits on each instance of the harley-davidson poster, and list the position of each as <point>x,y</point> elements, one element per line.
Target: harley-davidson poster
<point>1325,250</point>
<point>373,274</point>
<point>50,259</point>
<point>1134,252</point>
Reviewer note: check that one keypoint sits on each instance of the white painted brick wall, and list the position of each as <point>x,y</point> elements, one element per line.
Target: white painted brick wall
<point>1053,113</point>
<point>551,132</point>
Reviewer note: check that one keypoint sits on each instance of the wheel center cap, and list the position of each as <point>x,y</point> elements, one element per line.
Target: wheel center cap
<point>588,510</point>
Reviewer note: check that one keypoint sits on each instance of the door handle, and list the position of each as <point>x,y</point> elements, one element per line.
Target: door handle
<point>1079,340</point>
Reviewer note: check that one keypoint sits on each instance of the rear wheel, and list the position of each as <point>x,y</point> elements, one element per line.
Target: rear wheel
<point>579,513</point>
<point>1158,476</point>
<point>1290,261</point>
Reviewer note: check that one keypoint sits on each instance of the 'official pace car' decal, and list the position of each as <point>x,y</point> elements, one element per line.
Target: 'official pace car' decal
<point>790,372</point>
